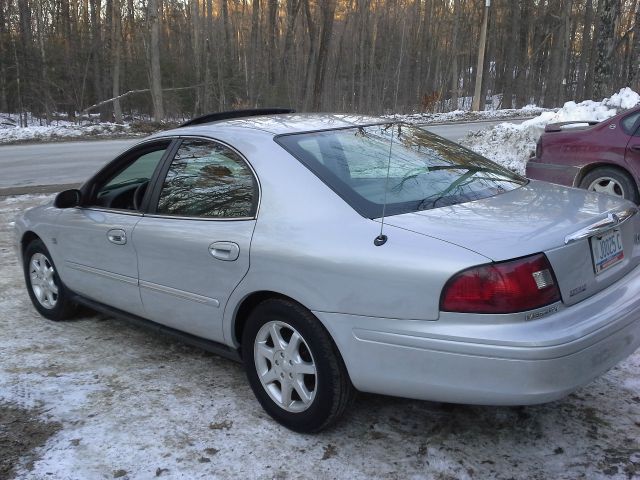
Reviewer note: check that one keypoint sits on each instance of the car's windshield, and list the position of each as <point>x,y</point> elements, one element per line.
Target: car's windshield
<point>406,166</point>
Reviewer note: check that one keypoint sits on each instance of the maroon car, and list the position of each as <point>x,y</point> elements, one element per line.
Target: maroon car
<point>599,156</point>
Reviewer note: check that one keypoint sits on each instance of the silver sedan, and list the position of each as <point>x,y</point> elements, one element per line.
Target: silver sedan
<point>335,253</point>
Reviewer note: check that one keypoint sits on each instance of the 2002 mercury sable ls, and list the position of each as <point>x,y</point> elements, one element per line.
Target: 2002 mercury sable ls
<point>260,237</point>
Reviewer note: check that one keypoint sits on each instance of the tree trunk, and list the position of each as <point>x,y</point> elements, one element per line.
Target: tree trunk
<point>45,96</point>
<point>155,78</point>
<point>524,62</point>
<point>272,10</point>
<point>634,69</point>
<point>4,55</point>
<point>584,58</point>
<point>228,46</point>
<point>116,48</point>
<point>293,7</point>
<point>478,95</point>
<point>311,57</point>
<point>566,46</point>
<point>207,86</point>
<point>327,9</point>
<point>196,40</point>
<point>608,13</point>
<point>254,54</point>
<point>455,78</point>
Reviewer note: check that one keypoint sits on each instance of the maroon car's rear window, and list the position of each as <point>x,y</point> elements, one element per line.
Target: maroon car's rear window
<point>409,168</point>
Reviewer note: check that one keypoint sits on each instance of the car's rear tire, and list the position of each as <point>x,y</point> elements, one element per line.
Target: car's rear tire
<point>611,181</point>
<point>293,366</point>
<point>48,294</point>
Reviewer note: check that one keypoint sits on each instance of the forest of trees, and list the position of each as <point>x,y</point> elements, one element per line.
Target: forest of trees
<point>179,58</point>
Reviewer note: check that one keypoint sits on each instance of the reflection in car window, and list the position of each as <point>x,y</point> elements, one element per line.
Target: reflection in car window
<point>628,123</point>
<point>207,179</point>
<point>424,170</point>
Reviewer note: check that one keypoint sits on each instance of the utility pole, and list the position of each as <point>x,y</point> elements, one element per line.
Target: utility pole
<point>480,67</point>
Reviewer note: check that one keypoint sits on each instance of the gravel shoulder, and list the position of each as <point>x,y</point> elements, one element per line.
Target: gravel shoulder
<point>98,398</point>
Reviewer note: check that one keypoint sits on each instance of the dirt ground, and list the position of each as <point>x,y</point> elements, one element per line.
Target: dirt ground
<point>21,432</point>
<point>98,398</point>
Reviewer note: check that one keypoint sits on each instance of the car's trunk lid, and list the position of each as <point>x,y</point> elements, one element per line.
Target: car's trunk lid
<point>537,217</point>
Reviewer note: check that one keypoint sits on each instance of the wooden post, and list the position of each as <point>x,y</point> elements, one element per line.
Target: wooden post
<point>480,67</point>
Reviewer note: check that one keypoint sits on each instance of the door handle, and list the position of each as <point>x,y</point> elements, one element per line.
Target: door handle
<point>117,236</point>
<point>225,251</point>
<point>635,148</point>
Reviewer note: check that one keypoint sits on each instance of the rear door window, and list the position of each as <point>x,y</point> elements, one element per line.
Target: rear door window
<point>210,180</point>
<point>630,124</point>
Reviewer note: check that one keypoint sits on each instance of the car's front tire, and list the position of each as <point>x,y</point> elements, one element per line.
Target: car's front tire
<point>611,181</point>
<point>293,366</point>
<point>48,294</point>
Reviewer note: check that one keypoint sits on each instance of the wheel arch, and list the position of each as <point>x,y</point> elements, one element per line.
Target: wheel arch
<point>587,169</point>
<point>246,306</point>
<point>28,237</point>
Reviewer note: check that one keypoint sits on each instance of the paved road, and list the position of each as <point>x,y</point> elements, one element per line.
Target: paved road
<point>34,167</point>
<point>457,131</point>
<point>55,163</point>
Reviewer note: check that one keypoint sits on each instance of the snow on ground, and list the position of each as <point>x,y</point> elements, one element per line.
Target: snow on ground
<point>11,132</point>
<point>116,401</point>
<point>511,145</point>
<point>468,116</point>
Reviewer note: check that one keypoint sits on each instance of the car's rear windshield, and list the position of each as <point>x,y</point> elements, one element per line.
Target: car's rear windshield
<point>406,166</point>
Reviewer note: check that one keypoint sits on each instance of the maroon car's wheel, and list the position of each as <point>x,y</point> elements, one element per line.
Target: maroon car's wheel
<point>612,182</point>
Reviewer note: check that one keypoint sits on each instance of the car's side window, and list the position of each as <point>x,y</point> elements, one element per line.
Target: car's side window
<point>630,124</point>
<point>124,188</point>
<point>208,179</point>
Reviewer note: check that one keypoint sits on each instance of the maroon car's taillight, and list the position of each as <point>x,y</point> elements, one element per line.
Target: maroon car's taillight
<point>505,287</point>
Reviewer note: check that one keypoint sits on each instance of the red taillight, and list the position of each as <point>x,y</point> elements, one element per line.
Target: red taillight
<point>506,287</point>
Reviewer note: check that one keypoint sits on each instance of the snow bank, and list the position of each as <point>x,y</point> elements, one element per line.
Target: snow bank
<point>10,131</point>
<point>466,115</point>
<point>512,144</point>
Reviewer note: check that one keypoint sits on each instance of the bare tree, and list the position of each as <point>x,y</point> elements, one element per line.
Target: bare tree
<point>608,12</point>
<point>155,75</point>
<point>351,55</point>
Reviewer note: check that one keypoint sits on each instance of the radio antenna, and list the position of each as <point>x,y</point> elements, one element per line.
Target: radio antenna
<point>382,238</point>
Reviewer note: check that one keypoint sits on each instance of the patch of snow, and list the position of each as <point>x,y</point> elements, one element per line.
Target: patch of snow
<point>134,404</point>
<point>10,133</point>
<point>21,199</point>
<point>624,99</point>
<point>512,144</point>
<point>466,115</point>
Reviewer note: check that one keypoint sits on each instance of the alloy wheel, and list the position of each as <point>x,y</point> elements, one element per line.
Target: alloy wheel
<point>43,284</point>
<point>285,366</point>
<point>607,185</point>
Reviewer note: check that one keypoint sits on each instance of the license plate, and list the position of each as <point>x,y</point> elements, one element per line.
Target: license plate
<point>607,250</point>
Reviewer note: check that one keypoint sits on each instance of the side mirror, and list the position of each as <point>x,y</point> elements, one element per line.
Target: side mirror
<point>68,199</point>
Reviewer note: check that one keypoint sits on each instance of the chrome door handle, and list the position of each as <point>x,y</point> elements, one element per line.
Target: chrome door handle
<point>225,251</point>
<point>117,236</point>
<point>636,148</point>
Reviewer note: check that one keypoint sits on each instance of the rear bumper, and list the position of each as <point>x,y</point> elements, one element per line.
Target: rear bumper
<point>492,363</point>
<point>551,172</point>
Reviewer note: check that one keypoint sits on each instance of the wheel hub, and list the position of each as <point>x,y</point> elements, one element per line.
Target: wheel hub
<point>607,185</point>
<point>43,284</point>
<point>285,366</point>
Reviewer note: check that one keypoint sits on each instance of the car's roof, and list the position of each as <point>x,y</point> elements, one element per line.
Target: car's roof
<point>273,125</point>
